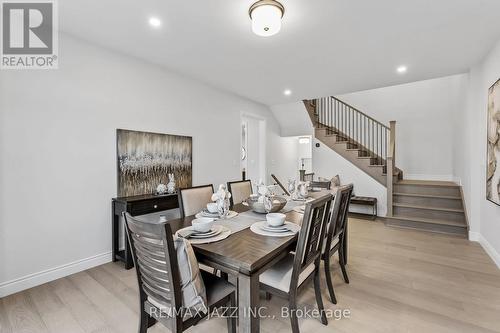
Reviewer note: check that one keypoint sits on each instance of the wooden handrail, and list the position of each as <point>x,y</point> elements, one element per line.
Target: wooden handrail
<point>361,112</point>
<point>279,184</point>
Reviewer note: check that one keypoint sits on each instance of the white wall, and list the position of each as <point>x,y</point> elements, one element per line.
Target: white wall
<point>293,119</point>
<point>58,158</point>
<point>425,113</point>
<point>484,216</point>
<point>327,163</point>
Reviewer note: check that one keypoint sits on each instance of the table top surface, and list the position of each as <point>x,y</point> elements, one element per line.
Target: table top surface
<point>245,251</point>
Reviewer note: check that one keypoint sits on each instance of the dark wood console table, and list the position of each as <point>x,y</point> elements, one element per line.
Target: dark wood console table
<point>136,205</point>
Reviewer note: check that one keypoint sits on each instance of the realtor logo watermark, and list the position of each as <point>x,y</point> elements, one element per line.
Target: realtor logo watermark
<point>29,34</point>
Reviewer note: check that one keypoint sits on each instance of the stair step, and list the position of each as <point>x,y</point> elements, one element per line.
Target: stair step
<point>428,196</point>
<point>428,200</point>
<point>443,209</point>
<point>428,188</point>
<point>433,213</point>
<point>427,183</point>
<point>424,224</point>
<point>352,149</point>
<point>430,221</point>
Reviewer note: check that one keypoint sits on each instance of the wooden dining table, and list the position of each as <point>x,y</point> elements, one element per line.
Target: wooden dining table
<point>244,255</point>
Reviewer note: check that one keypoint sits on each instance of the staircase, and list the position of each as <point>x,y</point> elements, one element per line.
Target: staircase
<point>370,145</point>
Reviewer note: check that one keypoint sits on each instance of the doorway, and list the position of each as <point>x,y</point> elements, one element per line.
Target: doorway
<point>253,148</point>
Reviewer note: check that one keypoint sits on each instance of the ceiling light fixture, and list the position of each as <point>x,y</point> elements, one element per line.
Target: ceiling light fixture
<point>287,92</point>
<point>266,17</point>
<point>154,22</point>
<point>402,69</point>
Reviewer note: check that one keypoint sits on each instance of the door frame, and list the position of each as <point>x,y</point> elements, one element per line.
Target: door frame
<point>262,143</point>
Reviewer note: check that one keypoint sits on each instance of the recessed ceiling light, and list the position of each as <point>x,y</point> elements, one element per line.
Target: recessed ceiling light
<point>287,92</point>
<point>402,69</point>
<point>266,17</point>
<point>154,22</point>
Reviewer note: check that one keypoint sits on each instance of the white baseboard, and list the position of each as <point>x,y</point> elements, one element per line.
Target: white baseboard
<point>490,250</point>
<point>36,279</point>
<point>445,178</point>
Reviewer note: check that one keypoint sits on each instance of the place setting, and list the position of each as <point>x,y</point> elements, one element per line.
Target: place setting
<point>275,226</point>
<point>203,230</point>
<point>219,208</point>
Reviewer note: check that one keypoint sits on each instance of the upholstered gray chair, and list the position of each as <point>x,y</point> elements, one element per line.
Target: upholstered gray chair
<point>240,191</point>
<point>335,236</point>
<point>193,199</point>
<point>289,276</point>
<point>161,277</point>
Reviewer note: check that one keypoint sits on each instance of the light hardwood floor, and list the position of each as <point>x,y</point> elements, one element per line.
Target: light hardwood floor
<point>401,281</point>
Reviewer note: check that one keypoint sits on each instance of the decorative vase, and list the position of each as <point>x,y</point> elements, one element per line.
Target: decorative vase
<point>171,183</point>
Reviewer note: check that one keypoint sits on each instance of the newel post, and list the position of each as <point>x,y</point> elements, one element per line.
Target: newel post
<point>391,162</point>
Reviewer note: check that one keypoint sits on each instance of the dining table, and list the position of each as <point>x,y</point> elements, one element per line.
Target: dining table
<point>243,256</point>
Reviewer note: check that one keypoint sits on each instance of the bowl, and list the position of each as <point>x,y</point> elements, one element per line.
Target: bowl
<point>203,224</point>
<point>258,205</point>
<point>275,219</point>
<point>212,207</point>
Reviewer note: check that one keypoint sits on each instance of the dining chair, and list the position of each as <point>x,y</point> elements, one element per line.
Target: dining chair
<point>193,199</point>
<point>240,191</point>
<point>335,236</point>
<point>159,279</point>
<point>291,274</point>
<point>321,185</point>
<point>308,177</point>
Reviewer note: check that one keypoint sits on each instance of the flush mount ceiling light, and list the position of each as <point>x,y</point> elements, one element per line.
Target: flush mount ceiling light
<point>266,17</point>
<point>287,92</point>
<point>154,22</point>
<point>402,69</point>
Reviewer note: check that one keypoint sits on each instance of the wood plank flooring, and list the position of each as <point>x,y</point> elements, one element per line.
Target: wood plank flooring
<point>401,281</point>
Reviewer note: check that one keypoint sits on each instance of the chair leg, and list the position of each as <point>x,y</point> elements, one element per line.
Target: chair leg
<point>342,265</point>
<point>144,322</point>
<point>231,319</point>
<point>329,281</point>
<point>319,300</point>
<point>294,320</point>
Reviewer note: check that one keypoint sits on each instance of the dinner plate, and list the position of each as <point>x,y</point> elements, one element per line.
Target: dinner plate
<point>212,233</point>
<point>273,229</point>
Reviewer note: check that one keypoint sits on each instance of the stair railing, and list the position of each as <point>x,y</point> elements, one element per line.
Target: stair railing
<point>359,130</point>
<point>370,137</point>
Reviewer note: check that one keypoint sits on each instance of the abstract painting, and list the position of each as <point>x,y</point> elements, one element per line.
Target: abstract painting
<point>493,162</point>
<point>145,159</point>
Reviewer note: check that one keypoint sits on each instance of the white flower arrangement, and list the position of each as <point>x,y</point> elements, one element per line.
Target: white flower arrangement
<point>221,194</point>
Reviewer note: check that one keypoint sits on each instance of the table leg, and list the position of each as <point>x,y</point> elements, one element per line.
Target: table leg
<point>115,220</point>
<point>248,302</point>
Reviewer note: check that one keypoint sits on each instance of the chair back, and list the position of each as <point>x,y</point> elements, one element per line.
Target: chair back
<point>308,177</point>
<point>311,236</point>
<point>155,262</point>
<point>319,184</point>
<point>193,199</point>
<point>338,217</point>
<point>240,191</point>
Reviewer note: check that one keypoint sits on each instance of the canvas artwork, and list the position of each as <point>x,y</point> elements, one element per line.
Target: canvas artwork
<point>145,160</point>
<point>493,162</point>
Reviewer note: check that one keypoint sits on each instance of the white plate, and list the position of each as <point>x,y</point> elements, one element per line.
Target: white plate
<point>271,229</point>
<point>257,228</point>
<point>216,230</point>
<point>231,214</point>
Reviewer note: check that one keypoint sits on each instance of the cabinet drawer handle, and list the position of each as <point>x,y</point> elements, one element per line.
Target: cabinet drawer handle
<point>155,206</point>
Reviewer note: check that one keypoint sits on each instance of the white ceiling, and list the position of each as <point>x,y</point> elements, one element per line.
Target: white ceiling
<point>325,47</point>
